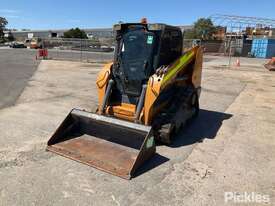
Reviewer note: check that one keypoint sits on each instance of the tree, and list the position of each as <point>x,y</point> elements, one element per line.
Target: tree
<point>190,34</point>
<point>203,29</point>
<point>75,33</point>
<point>3,23</point>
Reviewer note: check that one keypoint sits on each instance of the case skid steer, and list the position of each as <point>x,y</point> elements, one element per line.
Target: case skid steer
<point>146,94</point>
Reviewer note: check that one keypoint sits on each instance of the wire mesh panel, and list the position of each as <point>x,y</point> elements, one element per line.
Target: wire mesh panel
<point>234,48</point>
<point>87,50</point>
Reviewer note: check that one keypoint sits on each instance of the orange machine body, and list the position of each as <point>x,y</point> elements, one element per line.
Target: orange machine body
<point>190,64</point>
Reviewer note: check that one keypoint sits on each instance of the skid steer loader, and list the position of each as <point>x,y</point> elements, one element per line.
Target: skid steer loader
<point>146,94</point>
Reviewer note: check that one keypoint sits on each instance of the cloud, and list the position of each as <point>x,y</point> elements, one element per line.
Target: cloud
<point>12,16</point>
<point>8,11</point>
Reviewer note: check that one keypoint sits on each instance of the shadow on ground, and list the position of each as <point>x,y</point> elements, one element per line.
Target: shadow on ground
<point>206,125</point>
<point>156,161</point>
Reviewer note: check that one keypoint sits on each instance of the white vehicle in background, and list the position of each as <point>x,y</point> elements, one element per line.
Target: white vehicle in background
<point>36,43</point>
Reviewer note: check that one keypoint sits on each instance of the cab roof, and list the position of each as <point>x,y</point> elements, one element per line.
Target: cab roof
<point>150,26</point>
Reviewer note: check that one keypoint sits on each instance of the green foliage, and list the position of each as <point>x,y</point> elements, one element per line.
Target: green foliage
<point>190,34</point>
<point>75,33</point>
<point>3,23</point>
<point>203,29</point>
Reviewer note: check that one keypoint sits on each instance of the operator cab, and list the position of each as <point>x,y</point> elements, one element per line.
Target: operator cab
<point>140,49</point>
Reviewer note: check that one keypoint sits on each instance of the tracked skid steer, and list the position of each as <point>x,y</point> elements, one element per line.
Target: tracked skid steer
<point>145,95</point>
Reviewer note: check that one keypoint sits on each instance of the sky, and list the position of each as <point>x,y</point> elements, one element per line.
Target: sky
<point>62,14</point>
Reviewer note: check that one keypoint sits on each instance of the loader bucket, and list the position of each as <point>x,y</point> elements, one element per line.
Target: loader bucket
<point>112,145</point>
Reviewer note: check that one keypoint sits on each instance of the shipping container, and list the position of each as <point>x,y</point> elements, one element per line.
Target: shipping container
<point>263,48</point>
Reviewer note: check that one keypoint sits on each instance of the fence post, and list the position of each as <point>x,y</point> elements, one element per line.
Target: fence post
<point>230,53</point>
<point>81,50</point>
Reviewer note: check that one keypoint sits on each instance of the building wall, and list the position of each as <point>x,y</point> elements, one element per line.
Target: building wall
<point>101,33</point>
<point>21,35</point>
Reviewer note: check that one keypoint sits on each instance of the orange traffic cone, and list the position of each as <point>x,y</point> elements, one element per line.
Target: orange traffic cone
<point>238,62</point>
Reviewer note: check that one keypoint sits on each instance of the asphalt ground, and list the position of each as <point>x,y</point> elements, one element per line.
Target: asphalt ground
<point>16,67</point>
<point>230,147</point>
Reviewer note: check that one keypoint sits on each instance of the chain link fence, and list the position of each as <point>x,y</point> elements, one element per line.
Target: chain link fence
<point>93,50</point>
<point>86,50</point>
<point>259,48</point>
